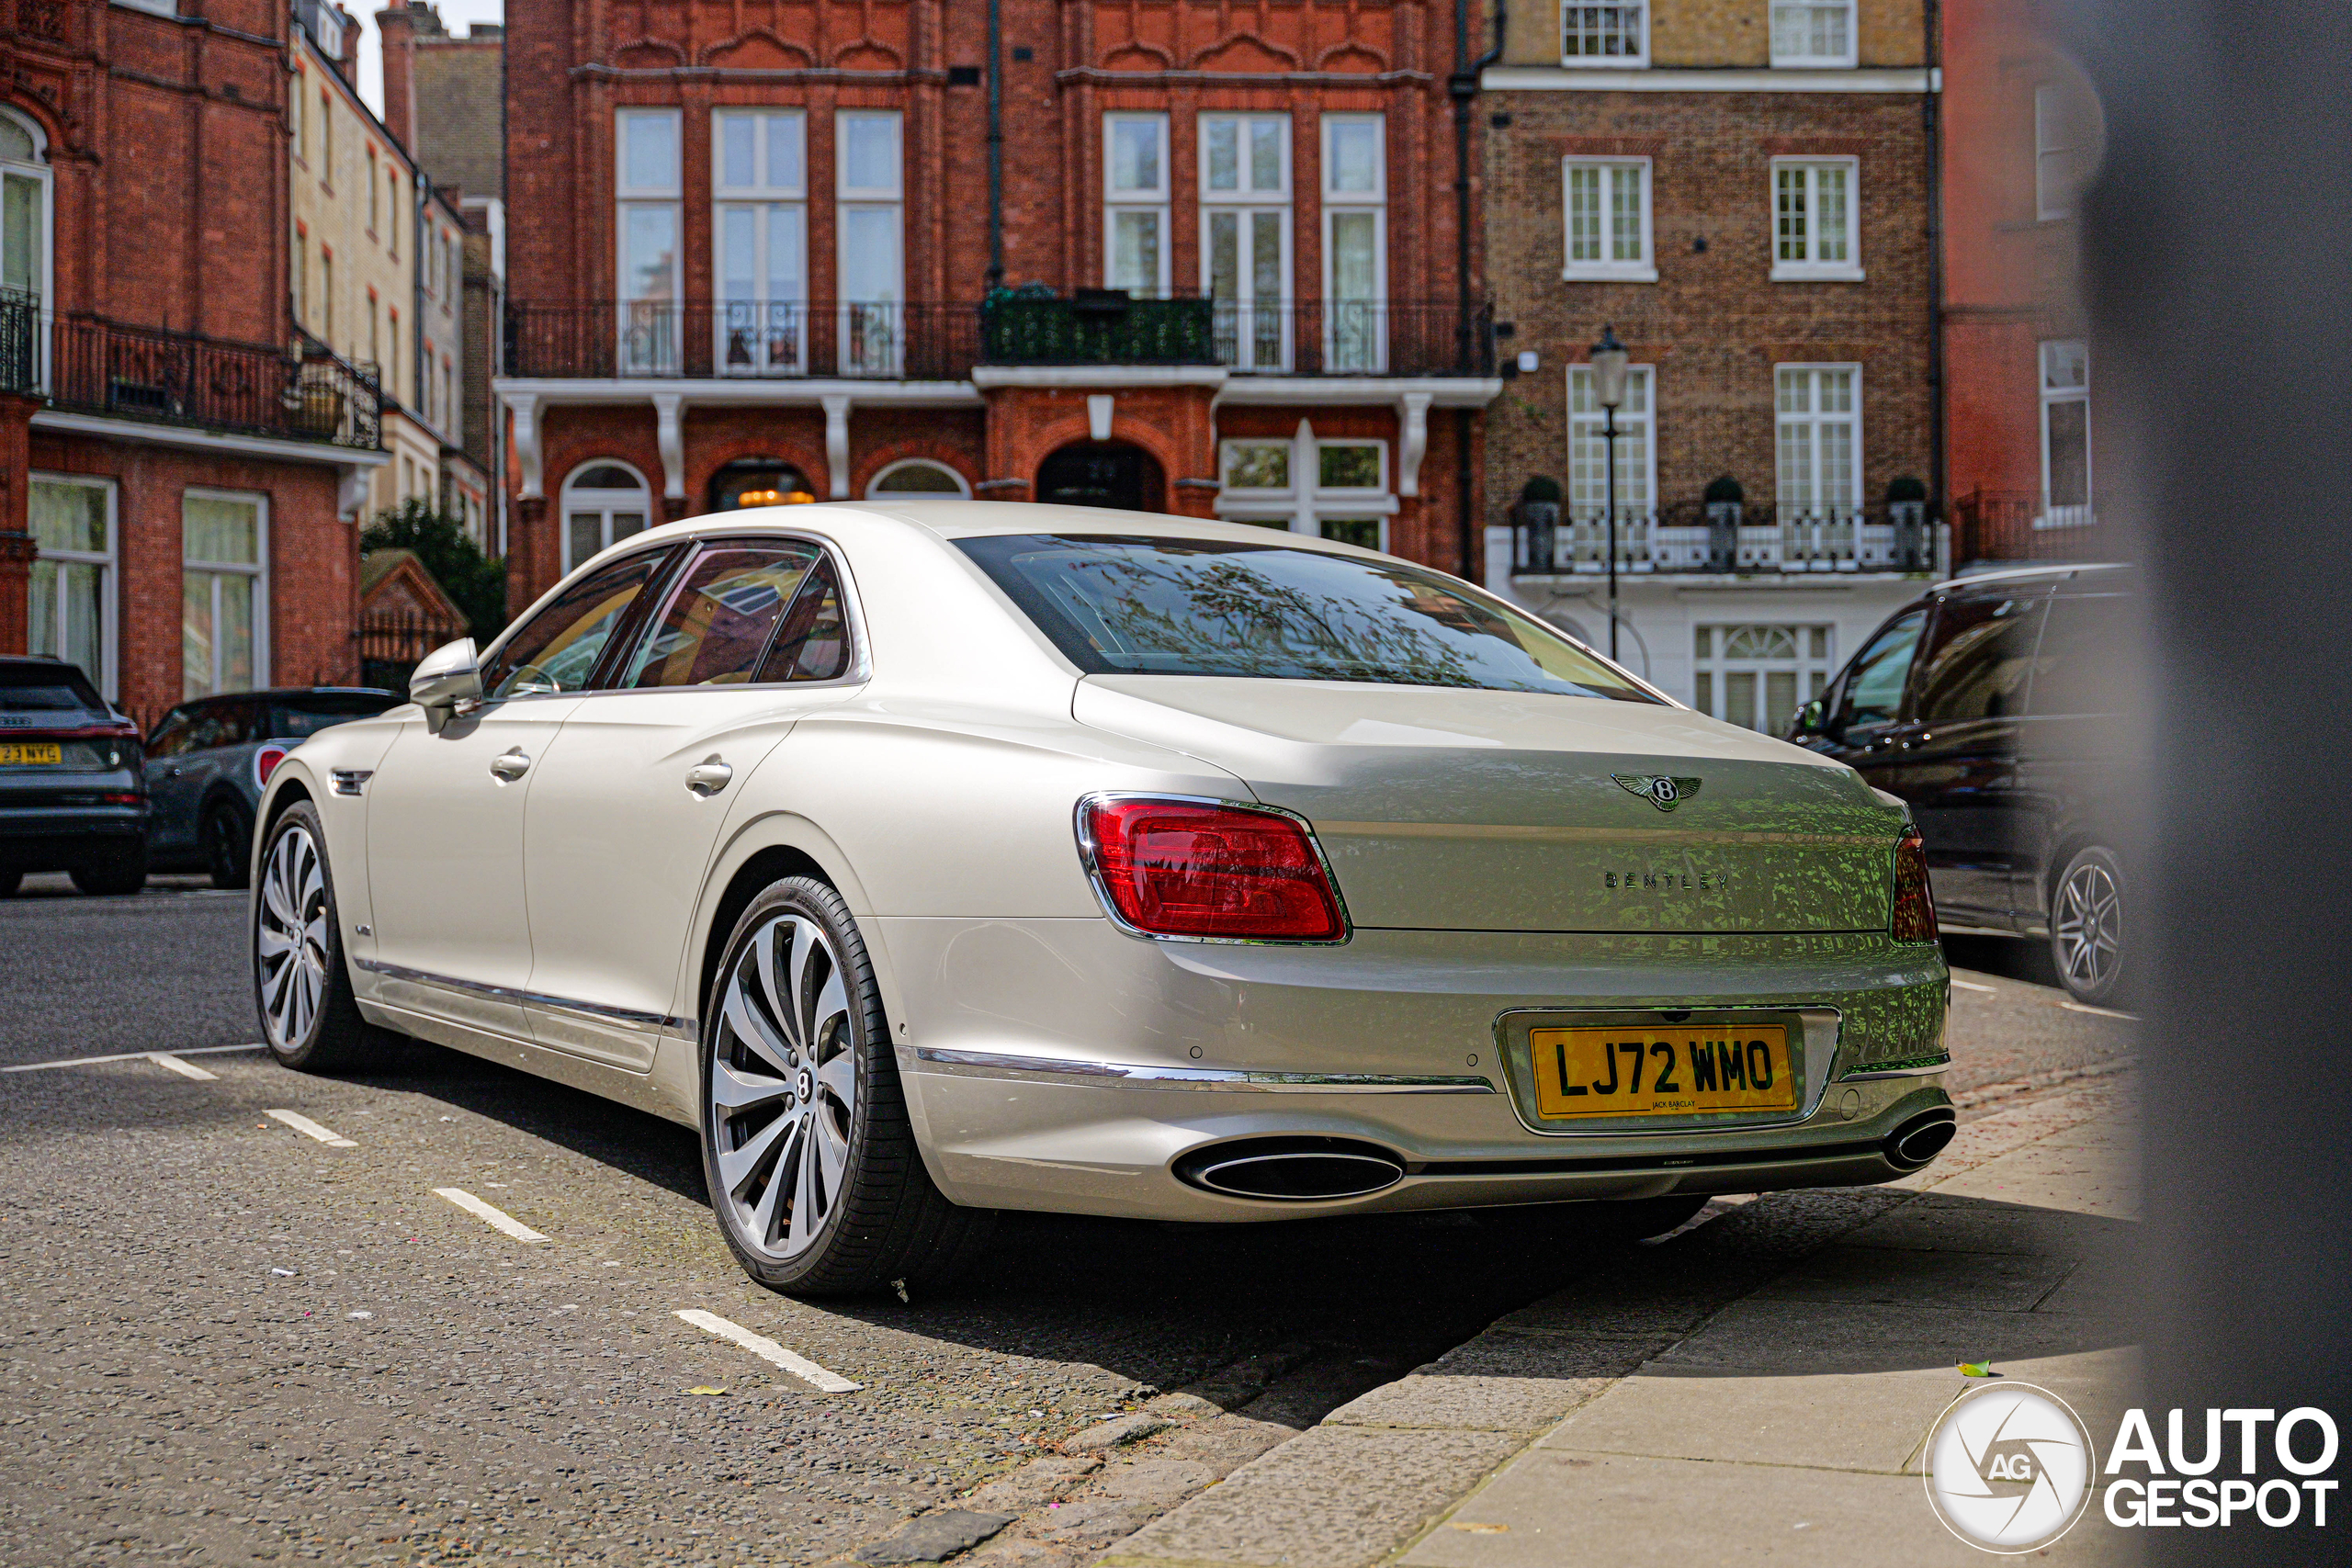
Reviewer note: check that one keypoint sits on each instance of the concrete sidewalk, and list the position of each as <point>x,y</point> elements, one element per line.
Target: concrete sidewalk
<point>1756,1389</point>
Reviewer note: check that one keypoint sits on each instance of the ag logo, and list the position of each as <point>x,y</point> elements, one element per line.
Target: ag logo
<point>2008,1468</point>
<point>1664,793</point>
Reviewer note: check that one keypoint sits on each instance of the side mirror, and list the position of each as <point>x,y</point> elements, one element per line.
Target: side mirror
<point>444,678</point>
<point>1810,718</point>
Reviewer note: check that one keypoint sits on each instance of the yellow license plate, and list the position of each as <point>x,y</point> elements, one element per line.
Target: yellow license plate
<point>26,751</point>
<point>1675,1070</point>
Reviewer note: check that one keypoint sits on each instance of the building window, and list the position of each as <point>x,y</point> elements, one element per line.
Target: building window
<point>72,577</point>
<point>1588,447</point>
<point>25,229</point>
<point>1814,233</point>
<point>1820,439</point>
<point>1331,487</point>
<point>225,597</point>
<point>375,213</point>
<point>1355,242</point>
<point>390,374</point>
<point>393,212</point>
<point>602,503</point>
<point>300,275</point>
<point>647,192</point>
<point>1135,202</point>
<point>916,476</point>
<point>1818,33</point>
<point>326,139</point>
<point>868,200</point>
<point>2065,434</point>
<point>1605,35</point>
<point>299,103</point>
<point>1245,236</point>
<point>326,299</point>
<point>1757,676</point>
<point>2057,154</point>
<point>760,189</point>
<point>1607,203</point>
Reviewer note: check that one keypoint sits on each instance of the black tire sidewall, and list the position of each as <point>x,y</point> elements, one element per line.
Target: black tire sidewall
<point>230,861</point>
<point>298,815</point>
<point>811,1271</point>
<point>2108,991</point>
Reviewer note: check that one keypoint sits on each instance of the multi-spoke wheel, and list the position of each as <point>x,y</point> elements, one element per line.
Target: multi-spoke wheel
<point>308,1018</point>
<point>812,1165</point>
<point>2087,926</point>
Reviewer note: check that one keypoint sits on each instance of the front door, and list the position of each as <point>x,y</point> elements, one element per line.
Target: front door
<point>633,797</point>
<point>446,814</point>
<point>1116,474</point>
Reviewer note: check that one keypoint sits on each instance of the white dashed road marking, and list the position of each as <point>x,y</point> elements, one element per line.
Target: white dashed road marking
<point>1972,985</point>
<point>186,1069</point>
<point>2073,1006</point>
<point>125,1056</point>
<point>768,1351</point>
<point>310,1129</point>
<point>487,1213</point>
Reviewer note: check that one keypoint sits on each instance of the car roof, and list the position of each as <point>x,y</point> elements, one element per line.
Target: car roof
<point>959,518</point>
<point>2057,572</point>
<point>292,691</point>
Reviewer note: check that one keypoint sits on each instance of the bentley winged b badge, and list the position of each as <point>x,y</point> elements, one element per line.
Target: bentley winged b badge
<point>1660,790</point>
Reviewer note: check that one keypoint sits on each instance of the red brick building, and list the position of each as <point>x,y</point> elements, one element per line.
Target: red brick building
<point>178,460</point>
<point>2023,132</point>
<point>751,249</point>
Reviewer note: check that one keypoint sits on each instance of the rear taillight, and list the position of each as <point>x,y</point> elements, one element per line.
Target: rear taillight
<point>266,762</point>
<point>1175,867</point>
<point>1915,905</point>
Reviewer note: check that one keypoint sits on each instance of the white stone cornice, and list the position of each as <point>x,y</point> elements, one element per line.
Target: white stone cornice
<point>726,390</point>
<point>1357,392</point>
<point>283,450</point>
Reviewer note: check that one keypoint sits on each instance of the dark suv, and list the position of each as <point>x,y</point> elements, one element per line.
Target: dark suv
<point>208,761</point>
<point>1992,707</point>
<point>72,796</point>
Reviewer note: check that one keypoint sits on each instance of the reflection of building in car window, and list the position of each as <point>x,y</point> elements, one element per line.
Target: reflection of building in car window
<point>759,481</point>
<point>719,622</point>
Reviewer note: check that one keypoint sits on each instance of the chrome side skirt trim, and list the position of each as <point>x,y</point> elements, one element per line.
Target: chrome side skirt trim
<point>597,1011</point>
<point>1917,1067</point>
<point>1004,1065</point>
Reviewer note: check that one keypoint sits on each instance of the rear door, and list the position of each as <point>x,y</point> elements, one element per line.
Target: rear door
<point>631,797</point>
<point>2073,758</point>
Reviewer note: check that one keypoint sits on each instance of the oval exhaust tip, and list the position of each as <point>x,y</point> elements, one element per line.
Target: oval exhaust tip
<point>1921,1139</point>
<point>1293,1170</point>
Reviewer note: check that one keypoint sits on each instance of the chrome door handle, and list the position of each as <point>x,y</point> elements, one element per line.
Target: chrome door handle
<point>707,779</point>
<point>513,766</point>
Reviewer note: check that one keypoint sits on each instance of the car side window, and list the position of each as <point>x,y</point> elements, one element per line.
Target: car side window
<point>1977,656</point>
<point>559,648</point>
<point>2072,670</point>
<point>720,617</point>
<point>813,642</point>
<point>209,726</point>
<point>1874,683</point>
<point>170,738</point>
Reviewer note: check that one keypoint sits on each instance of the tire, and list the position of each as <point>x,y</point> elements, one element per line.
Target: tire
<point>814,1175</point>
<point>2087,930</point>
<point>227,835</point>
<point>124,872</point>
<point>301,987</point>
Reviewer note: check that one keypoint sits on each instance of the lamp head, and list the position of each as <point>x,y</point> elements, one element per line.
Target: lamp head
<point>1608,360</point>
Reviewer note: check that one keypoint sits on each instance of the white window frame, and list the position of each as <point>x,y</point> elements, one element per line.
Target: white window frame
<point>778,328</point>
<point>258,571</point>
<point>1341,316</point>
<point>1844,61</point>
<point>1142,199</point>
<point>1575,13</point>
<point>874,490</point>
<point>1817,509</point>
<point>637,351</point>
<point>1587,427</point>
<point>1813,671</point>
<point>2073,514</point>
<point>1642,270</point>
<point>1811,269</point>
<point>1252,321</point>
<point>1302,505</point>
<point>2054,193</point>
<point>40,172</point>
<point>603,502</point>
<point>871,325</point>
<point>104,560</point>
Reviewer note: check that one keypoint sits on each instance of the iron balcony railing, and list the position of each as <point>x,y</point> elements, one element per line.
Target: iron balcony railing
<point>703,339</point>
<point>1326,338</point>
<point>1761,541</point>
<point>2000,526</point>
<point>89,365</point>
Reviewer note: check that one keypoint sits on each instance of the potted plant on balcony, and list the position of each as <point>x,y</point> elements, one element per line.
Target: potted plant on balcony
<point>1906,508</point>
<point>1727,505</point>
<point>1539,522</point>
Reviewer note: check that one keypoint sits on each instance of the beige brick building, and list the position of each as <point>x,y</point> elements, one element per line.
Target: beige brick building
<point>1741,189</point>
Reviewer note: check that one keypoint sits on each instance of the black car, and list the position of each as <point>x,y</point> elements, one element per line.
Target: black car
<point>1992,706</point>
<point>72,794</point>
<point>208,761</point>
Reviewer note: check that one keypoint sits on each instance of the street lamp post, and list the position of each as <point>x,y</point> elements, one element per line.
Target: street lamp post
<point>1609,358</point>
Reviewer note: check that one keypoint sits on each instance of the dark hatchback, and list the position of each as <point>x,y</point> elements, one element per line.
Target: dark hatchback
<point>208,761</point>
<point>72,797</point>
<point>1992,705</point>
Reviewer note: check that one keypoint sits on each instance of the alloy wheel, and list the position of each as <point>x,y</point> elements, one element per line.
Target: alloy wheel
<point>782,1086</point>
<point>2090,925</point>
<point>291,943</point>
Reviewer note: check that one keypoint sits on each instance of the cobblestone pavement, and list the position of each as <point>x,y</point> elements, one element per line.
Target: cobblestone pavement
<point>227,1341</point>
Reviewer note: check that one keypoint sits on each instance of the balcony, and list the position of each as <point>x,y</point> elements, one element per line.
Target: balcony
<point>1758,541</point>
<point>1291,338</point>
<point>98,366</point>
<point>2018,526</point>
<point>706,339</point>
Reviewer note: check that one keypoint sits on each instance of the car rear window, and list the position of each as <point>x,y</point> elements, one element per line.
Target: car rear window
<point>1139,606</point>
<point>291,720</point>
<point>48,693</point>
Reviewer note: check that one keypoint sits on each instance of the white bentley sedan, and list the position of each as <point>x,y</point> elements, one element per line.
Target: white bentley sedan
<point>941,858</point>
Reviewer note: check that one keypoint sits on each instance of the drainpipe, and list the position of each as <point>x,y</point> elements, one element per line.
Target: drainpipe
<point>996,144</point>
<point>1462,87</point>
<point>1932,122</point>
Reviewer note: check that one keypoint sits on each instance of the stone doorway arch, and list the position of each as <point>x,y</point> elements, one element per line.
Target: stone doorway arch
<point>1117,474</point>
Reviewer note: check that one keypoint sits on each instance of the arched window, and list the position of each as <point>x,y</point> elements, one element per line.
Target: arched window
<point>916,477</point>
<point>604,502</point>
<point>24,247</point>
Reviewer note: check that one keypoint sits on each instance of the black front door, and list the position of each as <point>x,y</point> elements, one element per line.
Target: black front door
<point>1100,473</point>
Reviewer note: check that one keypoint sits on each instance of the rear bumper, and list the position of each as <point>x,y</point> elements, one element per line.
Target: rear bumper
<point>58,838</point>
<point>1059,1065</point>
